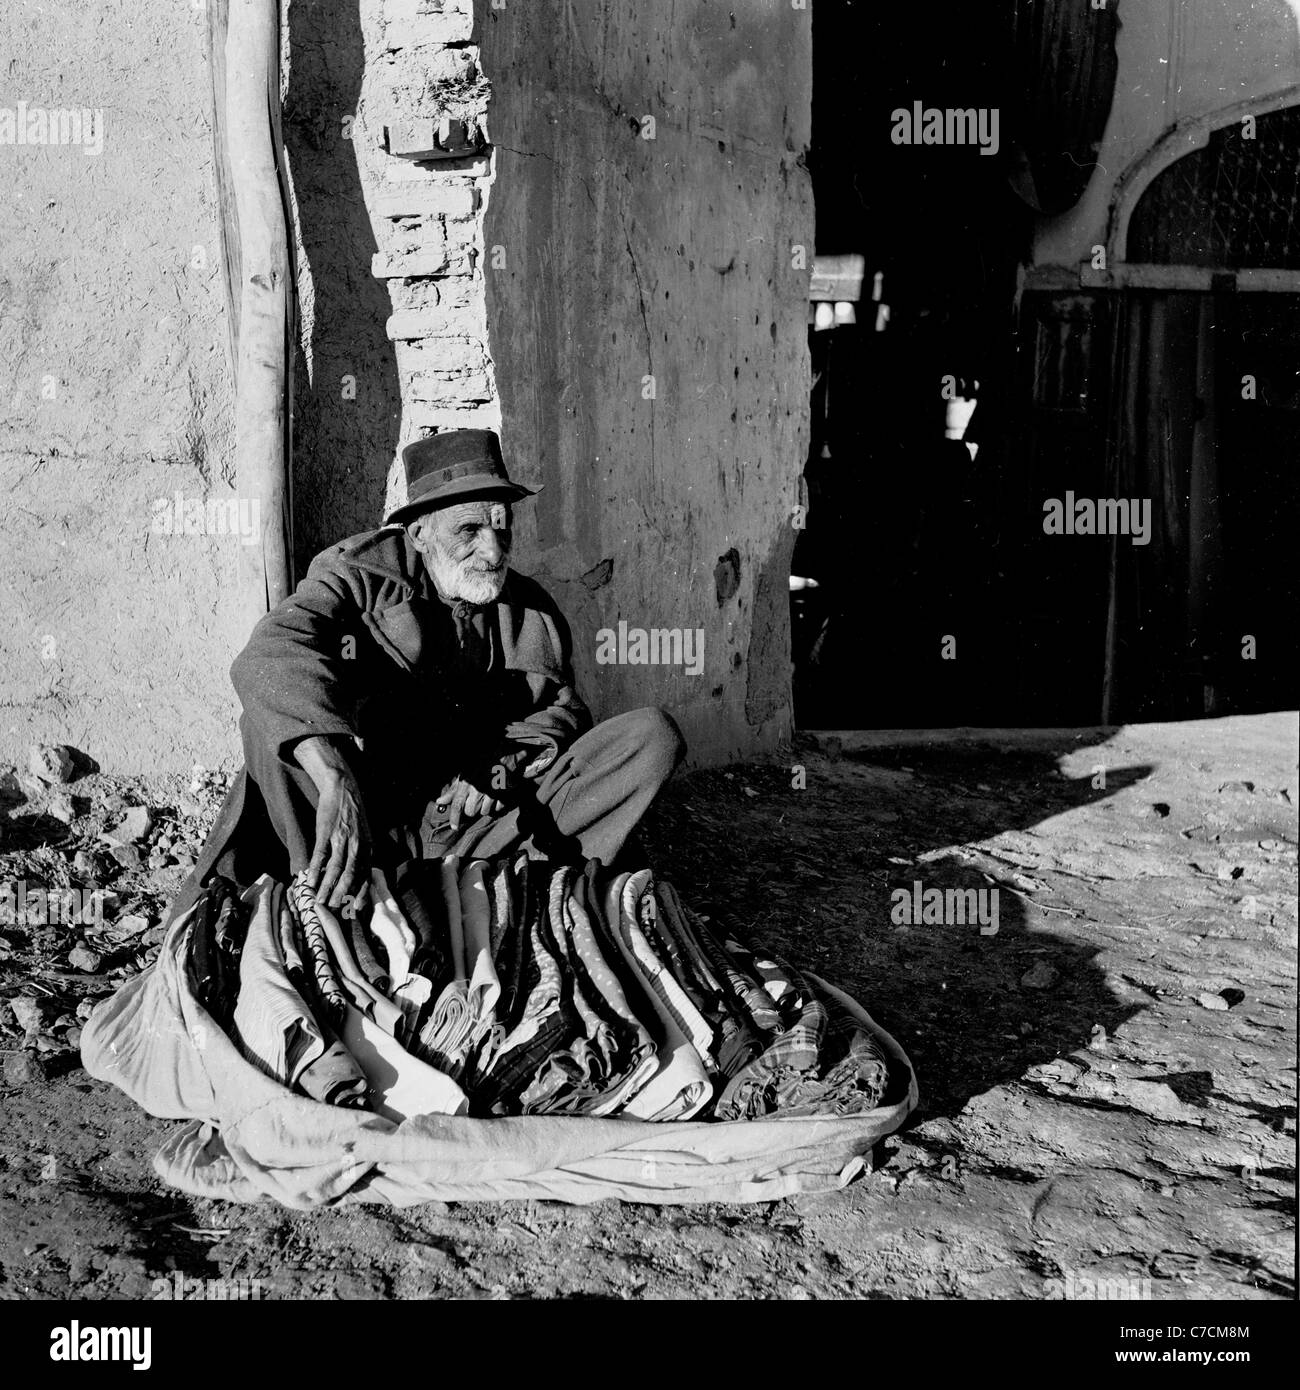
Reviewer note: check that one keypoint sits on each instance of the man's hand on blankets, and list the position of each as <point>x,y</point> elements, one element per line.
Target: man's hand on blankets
<point>460,797</point>
<point>339,871</point>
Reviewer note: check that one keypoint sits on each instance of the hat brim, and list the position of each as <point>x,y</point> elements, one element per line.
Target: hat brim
<point>483,485</point>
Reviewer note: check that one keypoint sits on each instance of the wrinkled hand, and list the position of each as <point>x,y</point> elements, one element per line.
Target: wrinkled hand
<point>460,797</point>
<point>339,872</point>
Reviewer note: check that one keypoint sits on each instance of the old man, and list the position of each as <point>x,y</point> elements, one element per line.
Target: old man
<point>414,697</point>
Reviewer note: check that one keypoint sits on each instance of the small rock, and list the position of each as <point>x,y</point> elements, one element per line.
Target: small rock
<point>1097,1040</point>
<point>22,1068</point>
<point>30,1013</point>
<point>157,860</point>
<point>1211,1001</point>
<point>83,958</point>
<point>188,808</point>
<point>47,1044</point>
<point>430,1257</point>
<point>84,865</point>
<point>184,861</point>
<point>85,1009</point>
<point>1155,1098</point>
<point>61,808</point>
<point>1040,976</point>
<point>132,828</point>
<point>126,855</point>
<point>32,787</point>
<point>51,762</point>
<point>73,1037</point>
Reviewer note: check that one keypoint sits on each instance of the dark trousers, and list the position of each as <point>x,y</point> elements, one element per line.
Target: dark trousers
<point>584,806</point>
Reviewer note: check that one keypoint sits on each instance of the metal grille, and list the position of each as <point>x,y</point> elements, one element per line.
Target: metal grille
<point>1233,204</point>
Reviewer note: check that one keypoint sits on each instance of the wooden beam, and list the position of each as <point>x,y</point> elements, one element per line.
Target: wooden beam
<point>245,56</point>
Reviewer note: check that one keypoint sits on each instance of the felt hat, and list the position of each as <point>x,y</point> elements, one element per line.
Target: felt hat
<point>451,466</point>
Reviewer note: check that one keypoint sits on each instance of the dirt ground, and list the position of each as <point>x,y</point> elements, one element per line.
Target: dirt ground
<point>1107,1082</point>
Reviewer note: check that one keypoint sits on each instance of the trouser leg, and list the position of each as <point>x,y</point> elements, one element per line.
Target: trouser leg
<point>588,801</point>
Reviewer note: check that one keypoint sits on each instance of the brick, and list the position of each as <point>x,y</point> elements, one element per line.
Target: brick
<point>422,417</point>
<point>464,321</point>
<point>410,22</point>
<point>429,139</point>
<point>429,63</point>
<point>458,292</point>
<point>388,265</point>
<point>440,355</point>
<point>435,198</point>
<point>399,171</point>
<point>437,389</point>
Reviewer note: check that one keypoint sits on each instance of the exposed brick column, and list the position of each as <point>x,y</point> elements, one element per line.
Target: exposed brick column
<point>428,116</point>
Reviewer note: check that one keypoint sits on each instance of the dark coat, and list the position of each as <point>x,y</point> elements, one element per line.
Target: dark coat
<point>365,649</point>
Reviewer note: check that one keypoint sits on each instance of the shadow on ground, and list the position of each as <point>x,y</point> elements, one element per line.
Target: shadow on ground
<point>815,875</point>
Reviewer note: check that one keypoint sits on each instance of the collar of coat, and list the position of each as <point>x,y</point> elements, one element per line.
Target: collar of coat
<point>389,554</point>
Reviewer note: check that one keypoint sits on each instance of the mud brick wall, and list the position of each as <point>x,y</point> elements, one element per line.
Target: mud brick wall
<point>483,235</point>
<point>426,117</point>
<point>596,235</point>
<point>114,392</point>
<point>647,315</point>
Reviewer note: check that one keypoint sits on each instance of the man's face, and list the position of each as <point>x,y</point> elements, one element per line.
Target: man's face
<point>466,548</point>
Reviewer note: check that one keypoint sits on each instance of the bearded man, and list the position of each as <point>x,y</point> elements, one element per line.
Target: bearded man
<point>414,697</point>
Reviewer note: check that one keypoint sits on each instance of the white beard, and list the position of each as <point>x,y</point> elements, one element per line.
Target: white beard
<point>465,582</point>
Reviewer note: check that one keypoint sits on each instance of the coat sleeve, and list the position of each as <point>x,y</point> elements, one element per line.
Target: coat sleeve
<point>294,678</point>
<point>559,714</point>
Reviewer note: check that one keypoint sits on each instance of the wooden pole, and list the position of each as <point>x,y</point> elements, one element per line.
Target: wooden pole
<point>245,56</point>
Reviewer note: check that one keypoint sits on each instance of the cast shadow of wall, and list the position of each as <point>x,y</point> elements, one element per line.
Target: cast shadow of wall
<point>347,400</point>
<point>809,873</point>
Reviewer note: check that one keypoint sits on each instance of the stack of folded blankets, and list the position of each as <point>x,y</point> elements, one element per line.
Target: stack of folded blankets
<point>524,988</point>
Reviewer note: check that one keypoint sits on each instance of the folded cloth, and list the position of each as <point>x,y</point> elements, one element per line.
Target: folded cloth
<point>273,1023</point>
<point>746,989</point>
<point>302,903</point>
<point>449,1031</point>
<point>536,1019</point>
<point>390,927</point>
<point>620,991</point>
<point>417,891</point>
<point>375,974</point>
<point>400,1085</point>
<point>484,989</point>
<point>363,994</point>
<point>737,1041</point>
<point>825,1063</point>
<point>516,967</point>
<point>248,1136</point>
<point>611,1054</point>
<point>501,897</point>
<point>679,1086</point>
<point>220,922</point>
<point>637,910</point>
<point>334,1078</point>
